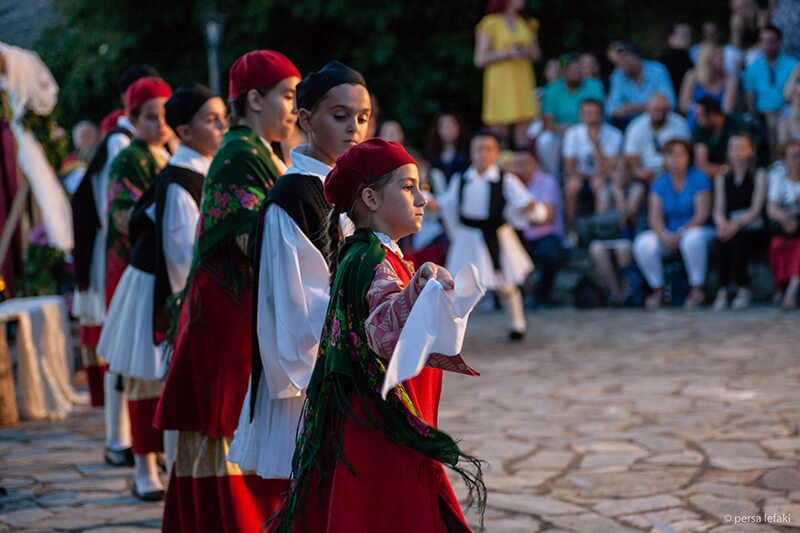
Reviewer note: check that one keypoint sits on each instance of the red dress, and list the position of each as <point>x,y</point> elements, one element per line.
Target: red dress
<point>202,397</point>
<point>391,488</point>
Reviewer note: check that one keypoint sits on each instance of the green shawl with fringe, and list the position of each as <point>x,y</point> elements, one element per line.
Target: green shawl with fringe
<point>240,175</point>
<point>345,366</point>
<point>239,178</point>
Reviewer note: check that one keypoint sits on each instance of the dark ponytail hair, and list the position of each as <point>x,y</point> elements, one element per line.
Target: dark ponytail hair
<point>333,239</point>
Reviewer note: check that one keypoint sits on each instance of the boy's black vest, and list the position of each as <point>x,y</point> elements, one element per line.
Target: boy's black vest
<point>488,226</point>
<point>85,218</point>
<point>147,246</point>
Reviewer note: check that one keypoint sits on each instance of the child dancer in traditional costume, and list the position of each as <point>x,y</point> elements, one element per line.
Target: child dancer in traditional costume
<point>291,271</point>
<point>200,119</point>
<point>362,463</point>
<point>127,338</point>
<point>211,360</point>
<point>90,223</point>
<point>481,209</point>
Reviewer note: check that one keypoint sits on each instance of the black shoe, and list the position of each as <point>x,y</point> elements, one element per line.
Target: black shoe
<point>516,336</point>
<point>118,457</point>
<point>152,496</point>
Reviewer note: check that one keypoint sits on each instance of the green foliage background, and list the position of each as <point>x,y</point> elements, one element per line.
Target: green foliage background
<point>416,54</point>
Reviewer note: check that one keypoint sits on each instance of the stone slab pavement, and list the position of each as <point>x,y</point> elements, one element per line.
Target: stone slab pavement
<point>599,421</point>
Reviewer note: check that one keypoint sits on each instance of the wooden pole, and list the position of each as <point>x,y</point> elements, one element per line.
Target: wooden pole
<point>9,415</point>
<point>14,216</point>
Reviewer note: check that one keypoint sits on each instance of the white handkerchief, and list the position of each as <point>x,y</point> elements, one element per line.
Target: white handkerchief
<point>435,327</point>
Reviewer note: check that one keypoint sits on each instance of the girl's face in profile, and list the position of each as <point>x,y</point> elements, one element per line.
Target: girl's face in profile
<point>151,123</point>
<point>277,112</point>
<point>397,207</point>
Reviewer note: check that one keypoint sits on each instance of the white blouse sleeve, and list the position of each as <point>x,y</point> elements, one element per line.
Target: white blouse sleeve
<point>518,198</point>
<point>293,298</point>
<point>178,234</point>
<point>448,205</point>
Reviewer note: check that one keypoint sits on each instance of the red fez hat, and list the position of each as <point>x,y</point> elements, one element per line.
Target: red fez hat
<point>145,89</point>
<point>259,69</point>
<point>109,122</point>
<point>362,165</point>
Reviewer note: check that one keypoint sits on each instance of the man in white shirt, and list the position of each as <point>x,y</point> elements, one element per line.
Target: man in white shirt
<point>647,134</point>
<point>591,156</point>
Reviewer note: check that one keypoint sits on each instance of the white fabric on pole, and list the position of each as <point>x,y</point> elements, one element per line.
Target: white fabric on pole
<point>436,325</point>
<point>30,85</point>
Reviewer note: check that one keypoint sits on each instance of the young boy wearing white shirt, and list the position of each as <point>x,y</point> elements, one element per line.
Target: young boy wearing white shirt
<point>482,208</point>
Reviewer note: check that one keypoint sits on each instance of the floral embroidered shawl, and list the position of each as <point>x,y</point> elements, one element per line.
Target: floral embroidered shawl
<point>238,180</point>
<point>132,172</point>
<point>346,365</point>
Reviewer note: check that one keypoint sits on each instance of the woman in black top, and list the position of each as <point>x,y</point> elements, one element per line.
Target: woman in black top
<point>739,195</point>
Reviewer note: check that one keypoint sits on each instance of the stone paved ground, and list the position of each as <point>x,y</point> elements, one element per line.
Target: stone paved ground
<point>599,422</point>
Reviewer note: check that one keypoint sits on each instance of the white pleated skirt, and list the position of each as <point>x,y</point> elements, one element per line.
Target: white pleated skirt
<point>467,246</point>
<point>127,337</point>
<point>89,306</point>
<point>267,444</point>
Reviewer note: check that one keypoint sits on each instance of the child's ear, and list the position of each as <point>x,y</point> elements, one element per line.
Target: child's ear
<point>369,197</point>
<point>183,132</point>
<point>254,100</point>
<point>304,119</point>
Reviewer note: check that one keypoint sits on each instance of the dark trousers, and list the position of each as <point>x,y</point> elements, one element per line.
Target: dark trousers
<point>546,254</point>
<point>732,256</point>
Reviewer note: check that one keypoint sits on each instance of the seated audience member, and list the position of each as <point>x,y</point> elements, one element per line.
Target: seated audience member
<point>713,34</point>
<point>543,240</point>
<point>447,149</point>
<point>621,206</point>
<point>708,79</point>
<point>590,66</point>
<point>391,130</point>
<point>679,207</point>
<point>675,57</point>
<point>561,109</point>
<point>739,195</point>
<point>783,209</point>
<point>647,135</point>
<point>764,81</point>
<point>711,134</point>
<point>633,82</point>
<point>789,124</point>
<point>591,152</point>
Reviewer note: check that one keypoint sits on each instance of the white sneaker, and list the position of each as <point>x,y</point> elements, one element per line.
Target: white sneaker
<point>721,301</point>
<point>742,300</point>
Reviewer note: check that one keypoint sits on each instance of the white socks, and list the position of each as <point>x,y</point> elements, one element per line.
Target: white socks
<point>145,473</point>
<point>118,424</point>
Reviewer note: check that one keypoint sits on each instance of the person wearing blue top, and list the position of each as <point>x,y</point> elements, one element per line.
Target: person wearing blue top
<point>764,81</point>
<point>679,208</point>
<point>633,82</point>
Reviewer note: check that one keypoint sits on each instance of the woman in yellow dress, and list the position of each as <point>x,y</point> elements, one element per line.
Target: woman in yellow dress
<point>506,46</point>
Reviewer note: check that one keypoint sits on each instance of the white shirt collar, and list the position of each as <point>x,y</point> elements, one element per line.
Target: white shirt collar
<point>305,164</point>
<point>124,122</point>
<point>389,243</point>
<point>492,173</point>
<point>185,157</point>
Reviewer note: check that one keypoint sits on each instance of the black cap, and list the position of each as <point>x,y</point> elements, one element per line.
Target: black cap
<point>133,73</point>
<point>317,84</point>
<point>185,102</point>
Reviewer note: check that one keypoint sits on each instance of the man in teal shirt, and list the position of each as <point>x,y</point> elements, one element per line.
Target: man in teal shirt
<point>561,106</point>
<point>764,80</point>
